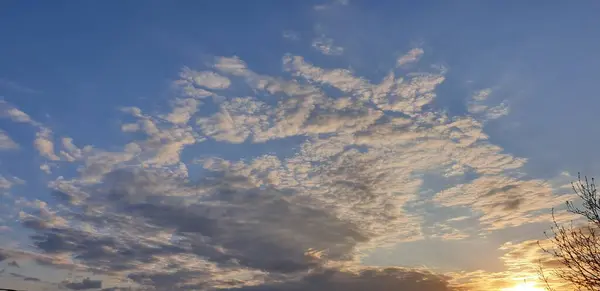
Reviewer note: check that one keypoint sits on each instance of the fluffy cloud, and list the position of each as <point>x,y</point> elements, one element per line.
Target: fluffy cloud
<point>208,80</point>
<point>295,222</point>
<point>167,134</point>
<point>43,143</point>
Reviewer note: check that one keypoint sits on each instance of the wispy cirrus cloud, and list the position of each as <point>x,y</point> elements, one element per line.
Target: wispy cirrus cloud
<point>17,87</point>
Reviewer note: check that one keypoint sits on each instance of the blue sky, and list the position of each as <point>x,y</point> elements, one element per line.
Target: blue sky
<point>265,145</point>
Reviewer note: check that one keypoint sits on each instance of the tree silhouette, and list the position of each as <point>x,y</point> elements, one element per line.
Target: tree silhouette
<point>577,247</point>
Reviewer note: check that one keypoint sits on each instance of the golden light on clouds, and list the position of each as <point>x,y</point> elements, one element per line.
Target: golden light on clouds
<point>525,286</point>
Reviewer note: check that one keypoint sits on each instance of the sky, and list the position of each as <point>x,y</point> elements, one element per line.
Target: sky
<point>269,145</point>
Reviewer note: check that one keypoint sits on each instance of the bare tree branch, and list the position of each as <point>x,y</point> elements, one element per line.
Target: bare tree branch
<point>577,247</point>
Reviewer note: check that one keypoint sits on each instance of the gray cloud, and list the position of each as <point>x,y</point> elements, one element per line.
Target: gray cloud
<point>87,283</point>
<point>389,279</point>
<point>222,219</point>
<point>501,190</point>
<point>25,278</point>
<point>260,228</point>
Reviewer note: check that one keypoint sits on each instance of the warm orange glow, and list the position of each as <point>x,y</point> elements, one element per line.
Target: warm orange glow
<point>527,286</point>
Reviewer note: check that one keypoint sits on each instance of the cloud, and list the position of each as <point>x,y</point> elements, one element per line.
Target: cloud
<point>7,183</point>
<point>16,87</point>
<point>330,5</point>
<point>291,35</point>
<point>70,151</point>
<point>477,106</point>
<point>339,78</point>
<point>46,168</point>
<point>6,143</point>
<point>25,278</point>
<point>325,46</point>
<point>87,283</point>
<point>410,57</point>
<point>503,201</point>
<point>366,279</point>
<point>208,80</point>
<point>43,143</point>
<point>14,114</point>
<point>231,65</point>
<point>245,227</point>
<point>183,111</point>
<point>395,94</point>
<point>276,222</point>
<point>236,121</point>
<point>522,260</point>
<point>167,135</point>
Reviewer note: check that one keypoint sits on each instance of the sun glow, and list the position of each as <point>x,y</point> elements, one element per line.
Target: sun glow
<point>527,286</point>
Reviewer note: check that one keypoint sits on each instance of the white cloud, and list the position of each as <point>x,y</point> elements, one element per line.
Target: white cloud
<point>477,106</point>
<point>71,152</point>
<point>411,56</point>
<point>7,143</point>
<point>231,65</point>
<point>183,111</point>
<point>236,120</point>
<point>97,163</point>
<point>16,115</point>
<point>208,80</point>
<point>497,111</point>
<point>43,143</point>
<point>325,45</point>
<point>341,79</point>
<point>167,134</point>
<point>46,168</point>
